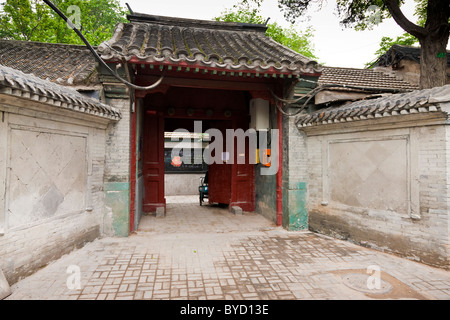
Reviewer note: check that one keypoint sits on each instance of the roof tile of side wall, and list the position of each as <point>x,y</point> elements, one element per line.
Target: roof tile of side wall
<point>212,44</point>
<point>399,52</point>
<point>64,64</point>
<point>392,105</point>
<point>16,83</point>
<point>365,78</point>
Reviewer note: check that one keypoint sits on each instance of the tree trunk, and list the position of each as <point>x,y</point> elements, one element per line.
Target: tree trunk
<point>433,62</point>
<point>433,38</point>
<point>433,55</point>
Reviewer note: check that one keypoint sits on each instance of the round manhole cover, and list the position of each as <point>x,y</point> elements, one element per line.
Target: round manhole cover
<point>361,282</point>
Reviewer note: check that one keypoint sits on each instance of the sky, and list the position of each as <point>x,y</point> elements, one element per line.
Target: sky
<point>334,45</point>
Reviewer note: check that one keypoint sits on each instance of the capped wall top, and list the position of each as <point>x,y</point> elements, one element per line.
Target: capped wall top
<point>27,86</point>
<point>417,101</point>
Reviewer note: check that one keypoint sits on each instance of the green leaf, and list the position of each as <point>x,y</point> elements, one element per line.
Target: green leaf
<point>33,20</point>
<point>299,41</point>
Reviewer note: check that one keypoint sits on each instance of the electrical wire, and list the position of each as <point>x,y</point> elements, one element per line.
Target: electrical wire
<point>292,101</point>
<point>310,94</point>
<point>315,91</point>
<point>97,57</point>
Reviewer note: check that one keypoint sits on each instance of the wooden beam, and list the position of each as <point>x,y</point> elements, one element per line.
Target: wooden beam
<point>143,80</point>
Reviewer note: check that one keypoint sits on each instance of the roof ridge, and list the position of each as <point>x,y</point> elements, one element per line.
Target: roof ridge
<point>195,23</point>
<point>235,56</point>
<point>38,43</point>
<point>344,68</point>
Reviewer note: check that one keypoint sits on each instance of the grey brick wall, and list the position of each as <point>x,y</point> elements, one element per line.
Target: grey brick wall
<point>117,171</point>
<point>28,246</point>
<point>295,175</point>
<point>420,235</point>
<point>117,162</point>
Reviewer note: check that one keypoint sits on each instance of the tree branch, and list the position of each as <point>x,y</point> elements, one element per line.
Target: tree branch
<point>402,21</point>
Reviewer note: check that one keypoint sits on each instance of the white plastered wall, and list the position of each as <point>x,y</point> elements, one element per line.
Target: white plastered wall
<point>383,185</point>
<point>51,183</point>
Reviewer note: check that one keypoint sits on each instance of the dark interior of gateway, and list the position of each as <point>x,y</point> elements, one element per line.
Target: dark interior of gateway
<point>178,119</point>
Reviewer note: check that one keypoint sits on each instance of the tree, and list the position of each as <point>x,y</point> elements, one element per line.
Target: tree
<point>33,20</point>
<point>405,39</point>
<point>432,35</point>
<point>299,41</point>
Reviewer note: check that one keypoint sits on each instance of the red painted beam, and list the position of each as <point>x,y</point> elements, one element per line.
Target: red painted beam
<point>279,178</point>
<point>183,64</point>
<point>190,81</point>
<point>133,169</point>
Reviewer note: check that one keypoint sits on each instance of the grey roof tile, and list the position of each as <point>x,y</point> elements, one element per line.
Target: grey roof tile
<point>365,78</point>
<point>17,83</point>
<point>402,103</point>
<point>399,52</point>
<point>69,65</point>
<point>224,45</point>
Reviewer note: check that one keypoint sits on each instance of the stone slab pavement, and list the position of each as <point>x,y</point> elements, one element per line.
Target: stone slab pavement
<point>208,253</point>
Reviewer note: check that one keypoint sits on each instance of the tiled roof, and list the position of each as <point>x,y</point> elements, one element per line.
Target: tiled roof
<point>365,78</point>
<point>211,44</point>
<point>392,105</point>
<point>399,52</point>
<point>69,65</point>
<point>16,83</point>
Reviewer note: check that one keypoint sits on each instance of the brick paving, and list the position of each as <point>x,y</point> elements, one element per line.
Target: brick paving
<point>207,253</point>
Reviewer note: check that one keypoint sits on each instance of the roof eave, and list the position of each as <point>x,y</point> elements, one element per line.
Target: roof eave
<point>416,102</point>
<point>17,84</point>
<point>309,69</point>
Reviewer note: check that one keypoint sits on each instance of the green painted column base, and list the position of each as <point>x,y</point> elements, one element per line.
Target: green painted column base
<point>117,199</point>
<point>295,212</point>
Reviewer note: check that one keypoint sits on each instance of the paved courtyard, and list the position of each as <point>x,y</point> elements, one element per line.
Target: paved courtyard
<point>209,253</point>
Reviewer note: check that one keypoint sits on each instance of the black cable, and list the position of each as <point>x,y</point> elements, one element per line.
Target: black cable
<point>97,57</point>
<point>290,101</point>
<point>316,90</point>
<point>311,94</point>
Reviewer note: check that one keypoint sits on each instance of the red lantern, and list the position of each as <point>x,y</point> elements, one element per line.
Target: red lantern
<point>176,161</point>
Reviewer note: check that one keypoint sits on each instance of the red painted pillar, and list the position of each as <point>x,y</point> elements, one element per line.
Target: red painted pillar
<point>133,168</point>
<point>280,168</point>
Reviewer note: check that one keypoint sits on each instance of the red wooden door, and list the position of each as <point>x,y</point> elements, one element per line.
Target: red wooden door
<point>243,174</point>
<point>153,161</point>
<point>243,186</point>
<point>219,174</point>
<point>232,183</point>
<point>219,187</point>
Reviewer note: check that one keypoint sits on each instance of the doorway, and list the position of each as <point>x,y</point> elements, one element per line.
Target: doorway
<point>230,183</point>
